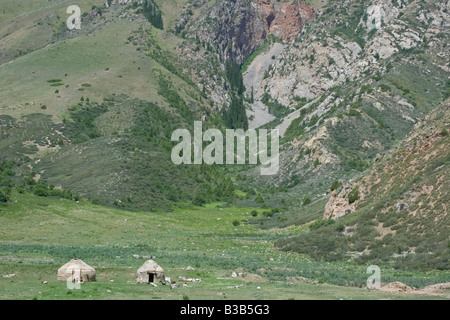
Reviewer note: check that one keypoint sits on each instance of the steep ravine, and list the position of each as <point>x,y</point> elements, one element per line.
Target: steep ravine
<point>253,77</point>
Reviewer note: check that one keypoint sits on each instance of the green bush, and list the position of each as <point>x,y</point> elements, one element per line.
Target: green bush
<point>3,197</point>
<point>41,191</point>
<point>321,223</point>
<point>385,88</point>
<point>259,199</point>
<point>316,163</point>
<point>353,196</point>
<point>306,201</point>
<point>335,185</point>
<point>199,199</point>
<point>354,113</point>
<point>268,214</point>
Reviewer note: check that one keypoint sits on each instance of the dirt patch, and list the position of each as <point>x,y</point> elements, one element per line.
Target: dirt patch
<point>439,289</point>
<point>384,231</point>
<point>396,286</point>
<point>253,278</point>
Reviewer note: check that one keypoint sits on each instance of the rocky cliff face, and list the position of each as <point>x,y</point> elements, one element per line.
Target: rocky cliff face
<point>339,205</point>
<point>232,30</point>
<point>237,28</point>
<point>357,79</point>
<point>285,20</point>
<point>328,56</point>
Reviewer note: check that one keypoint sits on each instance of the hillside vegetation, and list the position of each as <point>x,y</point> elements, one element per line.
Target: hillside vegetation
<point>401,212</point>
<point>93,112</point>
<point>358,89</point>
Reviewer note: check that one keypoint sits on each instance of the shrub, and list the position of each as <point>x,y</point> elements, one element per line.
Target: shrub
<point>384,87</point>
<point>321,223</point>
<point>40,191</point>
<point>268,214</point>
<point>199,199</point>
<point>314,120</point>
<point>3,197</point>
<point>306,201</point>
<point>354,113</point>
<point>276,210</point>
<point>335,185</point>
<point>353,196</point>
<point>316,163</point>
<point>236,223</point>
<point>259,199</point>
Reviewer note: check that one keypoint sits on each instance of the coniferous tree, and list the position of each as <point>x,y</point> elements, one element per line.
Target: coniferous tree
<point>235,116</point>
<point>151,11</point>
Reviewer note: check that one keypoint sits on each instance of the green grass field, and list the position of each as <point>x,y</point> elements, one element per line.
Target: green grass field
<point>38,235</point>
<point>92,111</point>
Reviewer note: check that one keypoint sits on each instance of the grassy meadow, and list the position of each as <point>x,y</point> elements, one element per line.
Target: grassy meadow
<point>38,235</point>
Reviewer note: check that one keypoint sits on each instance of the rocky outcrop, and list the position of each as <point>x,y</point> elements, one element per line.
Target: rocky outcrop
<point>285,20</point>
<point>380,12</point>
<point>232,30</point>
<point>237,28</point>
<point>339,205</point>
<point>324,58</point>
<point>111,2</point>
<point>341,72</point>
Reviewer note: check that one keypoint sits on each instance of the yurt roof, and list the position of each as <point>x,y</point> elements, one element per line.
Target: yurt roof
<point>76,264</point>
<point>150,265</point>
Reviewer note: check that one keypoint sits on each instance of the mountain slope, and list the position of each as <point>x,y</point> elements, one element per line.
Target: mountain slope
<point>355,82</point>
<point>397,212</point>
<point>92,111</point>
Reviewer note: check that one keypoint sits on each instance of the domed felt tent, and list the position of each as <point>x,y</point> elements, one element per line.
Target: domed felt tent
<point>76,270</point>
<point>150,272</point>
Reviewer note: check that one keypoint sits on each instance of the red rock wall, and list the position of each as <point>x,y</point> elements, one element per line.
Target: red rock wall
<point>285,20</point>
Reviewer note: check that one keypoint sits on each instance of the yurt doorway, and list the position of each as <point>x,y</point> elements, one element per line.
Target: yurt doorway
<point>150,272</point>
